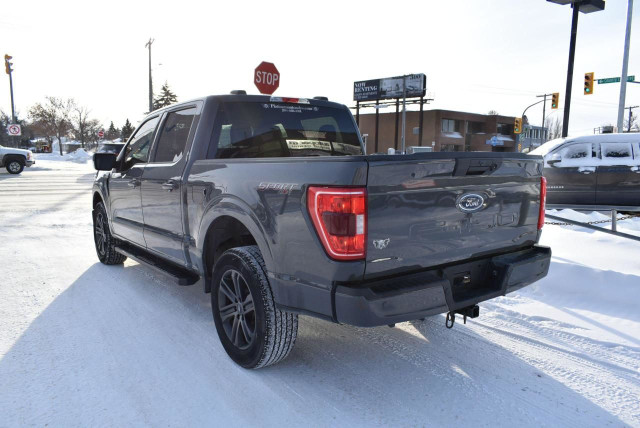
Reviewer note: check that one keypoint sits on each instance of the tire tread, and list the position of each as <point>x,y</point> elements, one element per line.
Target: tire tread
<point>282,327</point>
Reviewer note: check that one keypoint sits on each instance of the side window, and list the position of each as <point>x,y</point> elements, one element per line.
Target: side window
<point>173,137</point>
<point>576,155</point>
<point>617,154</point>
<point>137,150</point>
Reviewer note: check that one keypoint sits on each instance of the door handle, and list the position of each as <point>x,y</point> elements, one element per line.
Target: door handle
<point>586,172</point>
<point>169,185</point>
<point>133,183</point>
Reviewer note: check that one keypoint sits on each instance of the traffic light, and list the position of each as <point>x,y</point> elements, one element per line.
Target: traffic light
<point>517,125</point>
<point>7,64</point>
<point>555,97</point>
<point>588,83</point>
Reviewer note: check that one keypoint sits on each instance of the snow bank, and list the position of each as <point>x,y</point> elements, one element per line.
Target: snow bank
<point>78,156</point>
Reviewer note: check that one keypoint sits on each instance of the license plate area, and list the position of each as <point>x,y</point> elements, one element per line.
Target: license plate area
<point>472,280</point>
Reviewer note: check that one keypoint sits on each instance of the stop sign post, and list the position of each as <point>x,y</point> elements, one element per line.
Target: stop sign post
<point>267,78</point>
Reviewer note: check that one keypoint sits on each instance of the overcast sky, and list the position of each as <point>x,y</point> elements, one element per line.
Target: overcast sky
<point>477,55</point>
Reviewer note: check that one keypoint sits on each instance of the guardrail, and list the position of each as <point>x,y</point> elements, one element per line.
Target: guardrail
<point>589,225</point>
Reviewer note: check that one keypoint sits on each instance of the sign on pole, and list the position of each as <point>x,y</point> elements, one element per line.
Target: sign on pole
<point>14,130</point>
<point>266,78</point>
<point>390,87</point>
<point>615,80</point>
<point>101,133</point>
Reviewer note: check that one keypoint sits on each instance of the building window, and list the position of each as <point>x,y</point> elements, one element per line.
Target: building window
<point>449,125</point>
<point>504,129</point>
<point>449,148</point>
<point>475,127</point>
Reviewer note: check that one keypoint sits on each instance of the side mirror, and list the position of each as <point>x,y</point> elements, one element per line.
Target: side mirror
<point>554,159</point>
<point>104,161</point>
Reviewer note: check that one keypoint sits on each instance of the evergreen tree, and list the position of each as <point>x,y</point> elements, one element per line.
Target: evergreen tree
<point>112,133</point>
<point>127,130</point>
<point>166,97</point>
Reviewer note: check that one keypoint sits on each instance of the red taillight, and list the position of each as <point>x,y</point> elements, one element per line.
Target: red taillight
<point>543,201</point>
<point>340,218</point>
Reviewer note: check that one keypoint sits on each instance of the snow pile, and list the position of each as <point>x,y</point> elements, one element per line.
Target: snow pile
<point>80,156</point>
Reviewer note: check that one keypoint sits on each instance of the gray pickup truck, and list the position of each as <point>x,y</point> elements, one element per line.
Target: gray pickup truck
<point>272,206</point>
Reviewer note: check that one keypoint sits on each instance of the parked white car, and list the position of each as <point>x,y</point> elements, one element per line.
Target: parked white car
<point>15,159</point>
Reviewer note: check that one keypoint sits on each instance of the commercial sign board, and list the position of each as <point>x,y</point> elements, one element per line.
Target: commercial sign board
<point>390,87</point>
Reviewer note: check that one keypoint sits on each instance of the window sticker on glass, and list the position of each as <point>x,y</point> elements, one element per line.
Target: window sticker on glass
<point>290,108</point>
<point>309,145</point>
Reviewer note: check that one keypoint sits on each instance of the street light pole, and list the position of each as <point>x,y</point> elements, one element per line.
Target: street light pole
<point>584,6</point>
<point>572,52</point>
<point>148,45</point>
<point>625,67</point>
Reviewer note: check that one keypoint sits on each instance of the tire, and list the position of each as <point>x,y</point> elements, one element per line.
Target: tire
<point>14,166</point>
<point>241,271</point>
<point>105,242</point>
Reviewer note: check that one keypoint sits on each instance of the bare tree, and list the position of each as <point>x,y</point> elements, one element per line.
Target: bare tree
<point>84,129</point>
<point>554,129</point>
<point>53,117</point>
<point>492,113</point>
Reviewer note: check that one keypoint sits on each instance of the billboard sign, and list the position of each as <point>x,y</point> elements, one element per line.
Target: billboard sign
<point>390,87</point>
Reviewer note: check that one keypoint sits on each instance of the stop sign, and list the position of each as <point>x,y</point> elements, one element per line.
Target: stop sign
<point>266,78</point>
<point>101,133</point>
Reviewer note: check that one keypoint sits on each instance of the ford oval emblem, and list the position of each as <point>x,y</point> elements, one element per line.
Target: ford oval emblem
<point>470,203</point>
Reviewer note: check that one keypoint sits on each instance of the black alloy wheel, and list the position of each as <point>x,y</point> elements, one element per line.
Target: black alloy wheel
<point>237,310</point>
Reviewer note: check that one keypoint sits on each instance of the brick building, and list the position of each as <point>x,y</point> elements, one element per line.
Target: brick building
<point>444,130</point>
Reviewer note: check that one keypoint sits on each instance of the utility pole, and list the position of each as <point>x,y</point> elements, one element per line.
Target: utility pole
<point>148,45</point>
<point>630,116</point>
<point>625,67</point>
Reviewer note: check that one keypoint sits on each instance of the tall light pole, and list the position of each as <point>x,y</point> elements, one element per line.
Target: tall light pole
<point>584,6</point>
<point>9,70</point>
<point>148,45</point>
<point>625,67</point>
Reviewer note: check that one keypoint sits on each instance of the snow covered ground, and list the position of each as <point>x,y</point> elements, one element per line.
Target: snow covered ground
<point>82,344</point>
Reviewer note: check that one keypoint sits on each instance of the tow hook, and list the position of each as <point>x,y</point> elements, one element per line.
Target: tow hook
<point>469,311</point>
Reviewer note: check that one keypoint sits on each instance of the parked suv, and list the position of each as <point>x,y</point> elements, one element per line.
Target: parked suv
<point>271,204</point>
<point>593,170</point>
<point>14,160</point>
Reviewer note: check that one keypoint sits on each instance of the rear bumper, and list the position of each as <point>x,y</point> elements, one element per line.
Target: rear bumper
<point>415,296</point>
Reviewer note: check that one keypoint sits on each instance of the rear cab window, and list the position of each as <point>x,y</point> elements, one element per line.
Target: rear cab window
<point>617,154</point>
<point>277,129</point>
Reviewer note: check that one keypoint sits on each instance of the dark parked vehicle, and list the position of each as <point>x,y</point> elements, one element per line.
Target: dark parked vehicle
<point>593,170</point>
<point>271,205</point>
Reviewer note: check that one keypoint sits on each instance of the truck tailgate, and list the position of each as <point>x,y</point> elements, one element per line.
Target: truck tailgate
<point>432,209</point>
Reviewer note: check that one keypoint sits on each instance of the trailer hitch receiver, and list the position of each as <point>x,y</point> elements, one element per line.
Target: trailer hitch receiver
<point>469,311</point>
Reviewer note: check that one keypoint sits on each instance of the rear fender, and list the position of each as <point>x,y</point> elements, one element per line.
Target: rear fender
<point>236,208</point>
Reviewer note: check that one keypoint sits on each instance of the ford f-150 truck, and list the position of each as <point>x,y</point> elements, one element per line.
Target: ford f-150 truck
<point>271,204</point>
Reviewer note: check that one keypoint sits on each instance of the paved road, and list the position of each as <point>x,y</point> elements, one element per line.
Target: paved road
<point>82,344</point>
